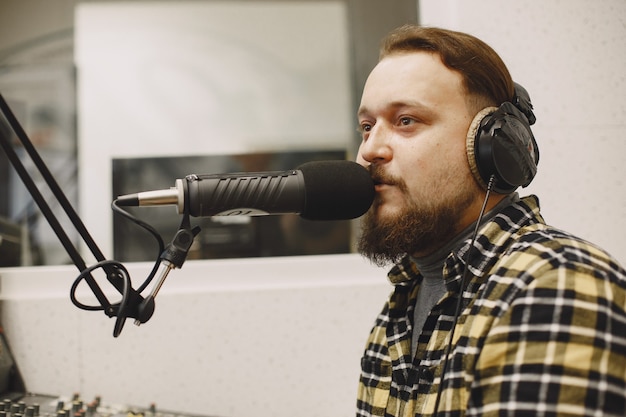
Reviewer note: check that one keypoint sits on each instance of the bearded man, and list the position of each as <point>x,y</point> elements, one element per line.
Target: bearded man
<point>493,312</point>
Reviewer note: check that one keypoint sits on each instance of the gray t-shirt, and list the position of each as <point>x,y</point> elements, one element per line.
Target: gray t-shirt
<point>433,286</point>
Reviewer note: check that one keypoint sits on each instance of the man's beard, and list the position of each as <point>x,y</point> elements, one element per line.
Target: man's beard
<point>419,228</point>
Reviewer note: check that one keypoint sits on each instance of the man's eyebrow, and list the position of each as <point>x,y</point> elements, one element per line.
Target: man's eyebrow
<point>395,105</point>
<point>362,111</point>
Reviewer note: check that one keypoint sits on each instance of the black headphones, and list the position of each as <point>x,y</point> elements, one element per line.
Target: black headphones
<point>500,143</point>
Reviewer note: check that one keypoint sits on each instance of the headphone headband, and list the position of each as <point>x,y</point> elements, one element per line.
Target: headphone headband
<point>521,100</point>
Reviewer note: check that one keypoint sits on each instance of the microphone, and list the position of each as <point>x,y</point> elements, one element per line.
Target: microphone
<point>322,190</point>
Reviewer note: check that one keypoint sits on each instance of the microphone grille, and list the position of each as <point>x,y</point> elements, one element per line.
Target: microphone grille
<point>336,190</point>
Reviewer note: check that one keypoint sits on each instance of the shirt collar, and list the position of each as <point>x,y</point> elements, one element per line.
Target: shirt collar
<point>491,242</point>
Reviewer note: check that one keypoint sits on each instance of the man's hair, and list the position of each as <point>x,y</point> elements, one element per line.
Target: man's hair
<point>485,76</point>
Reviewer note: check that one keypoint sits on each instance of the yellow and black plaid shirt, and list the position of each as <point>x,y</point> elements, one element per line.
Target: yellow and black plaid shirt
<point>542,331</point>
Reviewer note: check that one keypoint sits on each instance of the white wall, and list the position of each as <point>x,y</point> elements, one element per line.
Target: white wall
<point>278,337</point>
<point>283,336</point>
<point>570,55</point>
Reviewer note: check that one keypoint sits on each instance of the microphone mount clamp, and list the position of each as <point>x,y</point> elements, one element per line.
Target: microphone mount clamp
<point>173,256</point>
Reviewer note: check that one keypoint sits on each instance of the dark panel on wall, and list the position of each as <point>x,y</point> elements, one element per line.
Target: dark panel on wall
<point>369,22</point>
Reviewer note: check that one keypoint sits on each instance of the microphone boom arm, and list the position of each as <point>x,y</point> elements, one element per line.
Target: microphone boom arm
<point>115,272</point>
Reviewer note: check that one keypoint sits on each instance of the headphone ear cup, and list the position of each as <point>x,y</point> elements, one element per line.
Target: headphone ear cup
<point>470,143</point>
<point>502,146</point>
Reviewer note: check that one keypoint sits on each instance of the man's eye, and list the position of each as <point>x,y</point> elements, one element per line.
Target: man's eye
<point>365,127</point>
<point>405,121</point>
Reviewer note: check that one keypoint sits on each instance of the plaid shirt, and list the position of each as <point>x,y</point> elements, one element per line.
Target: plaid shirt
<point>542,330</point>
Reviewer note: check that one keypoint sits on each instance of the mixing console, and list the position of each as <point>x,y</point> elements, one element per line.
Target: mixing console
<point>33,405</point>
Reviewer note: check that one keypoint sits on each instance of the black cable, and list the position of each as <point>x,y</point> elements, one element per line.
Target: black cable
<point>459,301</point>
<point>116,266</point>
<point>120,272</point>
<point>161,245</point>
<point>116,271</point>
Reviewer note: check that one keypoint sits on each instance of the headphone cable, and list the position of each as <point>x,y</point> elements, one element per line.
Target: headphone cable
<point>459,302</point>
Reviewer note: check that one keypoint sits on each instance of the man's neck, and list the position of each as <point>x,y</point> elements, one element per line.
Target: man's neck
<point>437,256</point>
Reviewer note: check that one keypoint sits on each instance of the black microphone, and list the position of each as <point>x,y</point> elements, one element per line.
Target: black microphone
<point>323,190</point>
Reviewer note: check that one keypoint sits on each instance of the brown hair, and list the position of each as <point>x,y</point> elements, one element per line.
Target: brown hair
<point>485,76</point>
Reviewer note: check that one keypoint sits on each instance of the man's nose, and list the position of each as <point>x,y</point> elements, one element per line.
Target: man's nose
<point>376,146</point>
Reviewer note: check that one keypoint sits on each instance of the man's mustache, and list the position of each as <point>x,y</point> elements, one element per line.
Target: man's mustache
<point>379,176</point>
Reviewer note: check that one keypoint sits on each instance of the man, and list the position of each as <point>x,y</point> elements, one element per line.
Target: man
<point>508,318</point>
